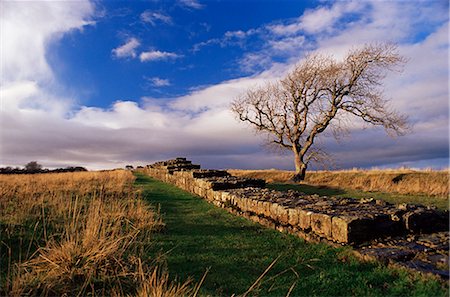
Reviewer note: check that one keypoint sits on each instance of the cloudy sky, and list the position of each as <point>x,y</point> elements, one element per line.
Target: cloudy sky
<point>103,84</point>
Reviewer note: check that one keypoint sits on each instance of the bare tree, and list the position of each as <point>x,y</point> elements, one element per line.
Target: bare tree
<point>322,92</point>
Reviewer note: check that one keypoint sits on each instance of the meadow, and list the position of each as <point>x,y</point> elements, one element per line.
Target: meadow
<point>78,234</point>
<point>427,187</point>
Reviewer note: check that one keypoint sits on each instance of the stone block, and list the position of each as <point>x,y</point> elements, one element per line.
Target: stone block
<point>201,192</point>
<point>225,196</point>
<point>203,184</point>
<point>241,203</point>
<point>244,204</point>
<point>233,199</point>
<point>218,196</point>
<point>358,229</point>
<point>260,208</point>
<point>273,213</point>
<point>350,229</point>
<point>304,219</point>
<point>293,216</point>
<point>253,205</point>
<point>265,208</point>
<point>282,214</point>
<point>384,225</point>
<point>192,187</point>
<point>197,183</point>
<point>321,224</point>
<point>426,221</point>
<point>209,195</point>
<point>209,173</point>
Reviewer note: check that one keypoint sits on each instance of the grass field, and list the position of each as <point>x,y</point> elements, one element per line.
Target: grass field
<point>78,234</point>
<point>200,237</point>
<point>402,186</point>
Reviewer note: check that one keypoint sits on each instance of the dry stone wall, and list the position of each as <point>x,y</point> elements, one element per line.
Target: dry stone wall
<point>313,217</point>
<point>411,236</point>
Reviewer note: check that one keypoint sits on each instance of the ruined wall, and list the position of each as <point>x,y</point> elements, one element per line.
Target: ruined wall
<point>316,218</point>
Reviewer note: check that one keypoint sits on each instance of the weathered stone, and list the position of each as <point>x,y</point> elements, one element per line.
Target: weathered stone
<point>283,215</point>
<point>293,216</point>
<point>321,224</point>
<point>350,229</point>
<point>252,203</point>
<point>209,173</point>
<point>386,254</point>
<point>340,229</point>
<point>274,211</point>
<point>210,195</point>
<point>225,196</point>
<point>425,220</point>
<point>218,196</point>
<point>304,219</point>
<point>260,207</point>
<point>232,182</point>
<point>266,208</point>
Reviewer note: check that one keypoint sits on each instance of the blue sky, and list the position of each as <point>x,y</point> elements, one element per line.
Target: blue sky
<point>102,84</point>
<point>202,43</point>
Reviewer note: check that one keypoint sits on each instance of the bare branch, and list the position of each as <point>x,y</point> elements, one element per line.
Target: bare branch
<point>320,93</point>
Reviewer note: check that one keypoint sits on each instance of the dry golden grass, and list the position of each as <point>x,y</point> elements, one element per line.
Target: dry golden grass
<point>157,284</point>
<point>405,181</point>
<point>75,234</point>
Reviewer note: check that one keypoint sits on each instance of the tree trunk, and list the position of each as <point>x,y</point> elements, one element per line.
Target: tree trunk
<point>300,168</point>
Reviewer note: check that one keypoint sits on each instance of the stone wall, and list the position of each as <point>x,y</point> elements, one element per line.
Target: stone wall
<point>313,217</point>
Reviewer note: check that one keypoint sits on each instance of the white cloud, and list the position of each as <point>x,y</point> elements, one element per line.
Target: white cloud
<point>194,4</point>
<point>154,17</point>
<point>255,62</point>
<point>318,19</point>
<point>229,38</point>
<point>27,29</point>
<point>287,45</point>
<point>157,55</point>
<point>323,18</point>
<point>239,34</point>
<point>223,94</point>
<point>127,50</point>
<point>158,82</point>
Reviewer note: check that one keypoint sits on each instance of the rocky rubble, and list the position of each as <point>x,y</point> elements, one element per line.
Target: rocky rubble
<point>427,253</point>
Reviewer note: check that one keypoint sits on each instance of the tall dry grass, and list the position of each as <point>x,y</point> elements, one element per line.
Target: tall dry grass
<point>77,234</point>
<point>404,181</point>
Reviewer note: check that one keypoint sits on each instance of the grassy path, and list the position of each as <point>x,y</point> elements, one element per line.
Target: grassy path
<point>199,236</point>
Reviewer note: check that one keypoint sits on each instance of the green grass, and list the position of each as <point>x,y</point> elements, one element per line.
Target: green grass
<point>438,202</point>
<point>200,236</point>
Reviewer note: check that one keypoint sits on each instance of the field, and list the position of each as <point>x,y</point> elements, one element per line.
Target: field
<point>395,186</point>
<point>112,234</point>
<point>77,234</point>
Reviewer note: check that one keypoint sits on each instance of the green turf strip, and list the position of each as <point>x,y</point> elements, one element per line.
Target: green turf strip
<point>199,236</point>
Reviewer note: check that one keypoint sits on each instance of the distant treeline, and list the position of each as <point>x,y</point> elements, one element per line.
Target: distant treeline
<point>33,168</point>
